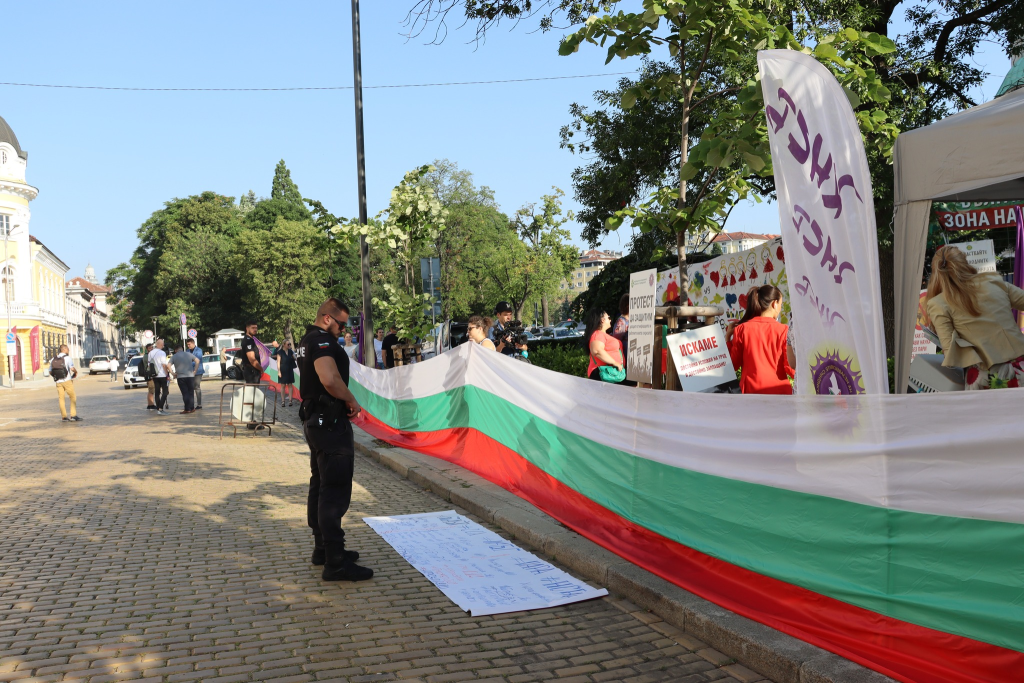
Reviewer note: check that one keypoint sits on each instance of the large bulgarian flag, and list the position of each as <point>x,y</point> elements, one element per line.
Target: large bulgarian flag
<point>897,542</point>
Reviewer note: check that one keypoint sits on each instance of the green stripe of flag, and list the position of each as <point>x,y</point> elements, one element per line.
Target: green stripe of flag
<point>961,576</point>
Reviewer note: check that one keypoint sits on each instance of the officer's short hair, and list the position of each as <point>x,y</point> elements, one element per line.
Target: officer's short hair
<point>337,303</point>
<point>331,307</point>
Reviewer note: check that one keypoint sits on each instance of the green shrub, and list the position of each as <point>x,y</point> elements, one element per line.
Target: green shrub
<point>571,359</point>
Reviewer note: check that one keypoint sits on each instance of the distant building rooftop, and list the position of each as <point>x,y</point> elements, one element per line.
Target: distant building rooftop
<point>597,255</point>
<point>737,236</point>
<point>93,287</point>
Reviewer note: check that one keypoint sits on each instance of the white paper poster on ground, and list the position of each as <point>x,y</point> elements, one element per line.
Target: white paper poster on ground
<point>981,254</point>
<point>701,358</point>
<point>477,569</point>
<point>643,289</point>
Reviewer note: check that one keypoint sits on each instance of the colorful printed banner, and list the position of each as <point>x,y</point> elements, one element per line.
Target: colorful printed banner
<point>725,280</point>
<point>876,527</point>
<point>922,344</point>
<point>828,224</point>
<point>36,348</point>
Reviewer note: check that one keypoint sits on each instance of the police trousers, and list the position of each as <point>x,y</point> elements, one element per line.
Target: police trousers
<point>331,463</point>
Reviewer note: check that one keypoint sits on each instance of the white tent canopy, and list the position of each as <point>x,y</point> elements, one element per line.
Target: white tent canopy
<point>974,156</point>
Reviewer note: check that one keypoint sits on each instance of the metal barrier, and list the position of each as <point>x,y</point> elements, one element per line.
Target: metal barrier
<point>251,422</point>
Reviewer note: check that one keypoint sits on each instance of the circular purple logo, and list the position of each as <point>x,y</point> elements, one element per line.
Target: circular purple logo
<point>832,375</point>
<point>650,280</point>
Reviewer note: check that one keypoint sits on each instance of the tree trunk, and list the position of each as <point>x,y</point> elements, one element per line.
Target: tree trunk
<point>684,155</point>
<point>544,311</point>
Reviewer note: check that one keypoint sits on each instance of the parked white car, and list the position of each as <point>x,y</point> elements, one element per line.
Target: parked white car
<point>101,364</point>
<point>131,376</point>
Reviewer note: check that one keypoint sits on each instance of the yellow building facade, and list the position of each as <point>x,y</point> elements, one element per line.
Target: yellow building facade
<point>32,296</point>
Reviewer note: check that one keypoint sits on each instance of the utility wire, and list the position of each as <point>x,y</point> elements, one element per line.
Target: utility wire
<point>329,87</point>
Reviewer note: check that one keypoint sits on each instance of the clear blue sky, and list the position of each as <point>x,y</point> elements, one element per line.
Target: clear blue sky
<point>103,161</point>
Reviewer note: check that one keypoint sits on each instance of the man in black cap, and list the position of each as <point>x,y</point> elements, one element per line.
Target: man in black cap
<point>327,406</point>
<point>252,368</point>
<point>502,340</point>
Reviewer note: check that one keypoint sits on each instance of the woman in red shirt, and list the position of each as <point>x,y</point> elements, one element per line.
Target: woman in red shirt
<point>604,348</point>
<point>757,344</point>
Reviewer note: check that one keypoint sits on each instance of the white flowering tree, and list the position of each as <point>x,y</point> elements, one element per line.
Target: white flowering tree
<point>414,218</point>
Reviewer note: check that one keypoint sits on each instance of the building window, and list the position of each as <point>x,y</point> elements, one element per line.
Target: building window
<point>7,283</point>
<point>5,224</point>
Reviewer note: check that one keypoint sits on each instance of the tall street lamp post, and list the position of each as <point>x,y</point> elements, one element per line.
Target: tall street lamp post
<point>369,355</point>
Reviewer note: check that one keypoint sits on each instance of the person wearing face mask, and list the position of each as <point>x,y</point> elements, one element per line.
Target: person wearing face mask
<point>327,406</point>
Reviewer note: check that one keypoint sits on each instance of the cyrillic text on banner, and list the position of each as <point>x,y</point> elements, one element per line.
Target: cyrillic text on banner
<point>828,226</point>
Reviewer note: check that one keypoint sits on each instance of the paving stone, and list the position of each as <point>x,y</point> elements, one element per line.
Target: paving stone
<point>138,547</point>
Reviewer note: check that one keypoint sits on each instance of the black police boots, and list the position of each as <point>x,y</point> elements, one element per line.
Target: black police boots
<point>344,569</point>
<point>320,556</point>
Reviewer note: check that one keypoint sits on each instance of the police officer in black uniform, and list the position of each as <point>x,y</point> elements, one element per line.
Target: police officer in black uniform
<point>252,369</point>
<point>327,406</point>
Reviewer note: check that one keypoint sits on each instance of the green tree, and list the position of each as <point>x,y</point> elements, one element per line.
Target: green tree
<point>246,203</point>
<point>414,218</point>
<point>285,202</point>
<point>713,45</point>
<point>283,272</point>
<point>533,254</point>
<point>542,230</point>
<point>631,151</point>
<point>464,247</point>
<point>182,266</point>
<point>283,188</point>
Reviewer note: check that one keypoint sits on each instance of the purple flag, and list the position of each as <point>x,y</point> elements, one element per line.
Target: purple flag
<point>264,353</point>
<point>1018,254</point>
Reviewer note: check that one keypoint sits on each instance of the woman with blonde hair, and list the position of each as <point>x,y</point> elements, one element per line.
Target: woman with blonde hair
<point>477,330</point>
<point>971,313</point>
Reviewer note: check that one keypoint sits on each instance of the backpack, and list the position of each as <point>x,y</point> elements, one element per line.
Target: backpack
<point>58,368</point>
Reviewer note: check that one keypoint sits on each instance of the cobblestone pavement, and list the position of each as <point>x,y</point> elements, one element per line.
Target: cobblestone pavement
<point>139,547</point>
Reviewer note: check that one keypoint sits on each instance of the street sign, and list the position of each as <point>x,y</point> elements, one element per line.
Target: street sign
<point>192,334</point>
<point>12,344</point>
<point>182,318</point>
<point>147,336</point>
<point>430,272</point>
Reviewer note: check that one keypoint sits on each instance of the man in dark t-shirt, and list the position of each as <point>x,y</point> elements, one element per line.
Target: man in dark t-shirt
<point>327,406</point>
<point>252,369</point>
<point>387,347</point>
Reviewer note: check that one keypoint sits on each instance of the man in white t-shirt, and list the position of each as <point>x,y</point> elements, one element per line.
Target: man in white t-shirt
<point>378,347</point>
<point>158,360</point>
<point>64,372</point>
